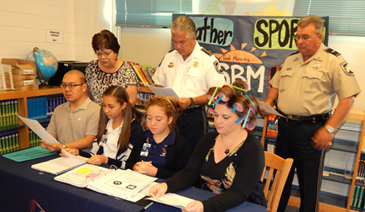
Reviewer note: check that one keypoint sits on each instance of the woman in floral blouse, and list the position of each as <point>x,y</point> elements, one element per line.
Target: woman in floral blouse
<point>108,69</point>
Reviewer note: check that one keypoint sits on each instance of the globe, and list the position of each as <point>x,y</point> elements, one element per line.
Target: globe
<point>46,62</point>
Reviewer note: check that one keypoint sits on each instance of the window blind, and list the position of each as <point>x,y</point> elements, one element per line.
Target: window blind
<point>150,13</point>
<point>346,17</point>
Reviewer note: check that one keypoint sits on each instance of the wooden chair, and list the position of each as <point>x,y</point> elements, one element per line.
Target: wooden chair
<point>275,181</point>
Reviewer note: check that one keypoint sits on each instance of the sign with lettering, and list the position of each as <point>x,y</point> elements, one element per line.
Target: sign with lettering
<point>249,48</point>
<point>54,36</point>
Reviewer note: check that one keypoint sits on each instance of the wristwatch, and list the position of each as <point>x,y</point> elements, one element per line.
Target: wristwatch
<point>192,103</point>
<point>63,146</point>
<point>329,129</point>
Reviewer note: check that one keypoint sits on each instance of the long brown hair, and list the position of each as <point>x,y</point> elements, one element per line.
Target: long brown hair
<point>171,107</point>
<point>129,112</point>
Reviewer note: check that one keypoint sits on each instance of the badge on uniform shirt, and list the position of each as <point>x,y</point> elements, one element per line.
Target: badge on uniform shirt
<point>170,65</point>
<point>145,149</point>
<point>104,139</point>
<point>163,154</point>
<point>195,64</point>
<point>316,66</point>
<point>217,67</point>
<point>347,69</point>
<point>288,69</point>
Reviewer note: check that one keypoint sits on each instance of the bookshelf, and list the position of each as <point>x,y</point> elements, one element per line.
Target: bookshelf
<point>21,97</point>
<point>340,145</point>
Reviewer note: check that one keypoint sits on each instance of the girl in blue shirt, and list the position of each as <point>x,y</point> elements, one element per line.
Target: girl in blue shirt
<point>160,151</point>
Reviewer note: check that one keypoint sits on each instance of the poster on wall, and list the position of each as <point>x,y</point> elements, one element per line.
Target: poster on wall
<point>249,48</point>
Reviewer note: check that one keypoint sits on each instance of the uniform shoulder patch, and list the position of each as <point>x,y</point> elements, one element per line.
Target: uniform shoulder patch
<point>206,51</point>
<point>217,67</point>
<point>331,51</point>
<point>347,69</point>
<point>171,50</point>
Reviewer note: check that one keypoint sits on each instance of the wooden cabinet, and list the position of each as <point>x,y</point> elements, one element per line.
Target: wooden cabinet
<point>21,97</point>
<point>357,115</point>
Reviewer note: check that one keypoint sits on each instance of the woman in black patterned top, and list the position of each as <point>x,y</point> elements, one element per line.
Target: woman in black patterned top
<point>229,161</point>
<point>108,69</point>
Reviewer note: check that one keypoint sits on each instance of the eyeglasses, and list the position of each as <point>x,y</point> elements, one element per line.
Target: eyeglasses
<point>304,37</point>
<point>100,54</point>
<point>71,86</point>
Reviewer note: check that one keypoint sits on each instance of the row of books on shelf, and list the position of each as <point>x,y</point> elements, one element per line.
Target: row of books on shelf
<point>42,107</point>
<point>9,142</point>
<point>8,112</point>
<point>144,73</point>
<point>34,139</point>
<point>143,97</point>
<point>357,201</point>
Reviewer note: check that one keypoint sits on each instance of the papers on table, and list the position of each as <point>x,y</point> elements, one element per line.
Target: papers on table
<point>81,175</point>
<point>28,154</point>
<point>125,184</point>
<point>158,91</point>
<point>270,109</point>
<point>172,199</point>
<point>121,183</point>
<point>36,127</point>
<point>60,165</point>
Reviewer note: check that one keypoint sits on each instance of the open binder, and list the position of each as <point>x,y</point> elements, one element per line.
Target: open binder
<point>125,184</point>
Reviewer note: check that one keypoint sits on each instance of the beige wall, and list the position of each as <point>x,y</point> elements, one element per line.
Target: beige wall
<point>23,25</point>
<point>146,46</point>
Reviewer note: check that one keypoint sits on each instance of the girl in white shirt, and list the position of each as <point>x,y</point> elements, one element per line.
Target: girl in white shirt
<point>119,125</point>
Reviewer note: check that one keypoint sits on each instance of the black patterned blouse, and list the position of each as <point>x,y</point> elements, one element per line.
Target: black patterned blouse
<point>98,81</point>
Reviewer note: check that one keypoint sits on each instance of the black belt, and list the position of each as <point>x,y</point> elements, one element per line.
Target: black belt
<point>294,119</point>
<point>194,109</point>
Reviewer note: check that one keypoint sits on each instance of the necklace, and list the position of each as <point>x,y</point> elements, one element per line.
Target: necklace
<point>227,149</point>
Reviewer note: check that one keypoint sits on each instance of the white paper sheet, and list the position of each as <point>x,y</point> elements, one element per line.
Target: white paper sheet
<point>121,183</point>
<point>36,127</point>
<point>172,199</point>
<point>270,109</point>
<point>163,91</point>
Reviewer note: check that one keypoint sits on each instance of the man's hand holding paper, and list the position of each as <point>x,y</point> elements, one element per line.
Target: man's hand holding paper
<point>266,109</point>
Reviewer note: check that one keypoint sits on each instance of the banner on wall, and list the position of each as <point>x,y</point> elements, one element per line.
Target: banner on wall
<point>249,48</point>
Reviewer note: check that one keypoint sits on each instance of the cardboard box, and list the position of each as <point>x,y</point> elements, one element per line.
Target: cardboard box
<point>19,83</point>
<point>20,66</point>
<point>28,87</point>
<point>23,77</point>
<point>24,73</point>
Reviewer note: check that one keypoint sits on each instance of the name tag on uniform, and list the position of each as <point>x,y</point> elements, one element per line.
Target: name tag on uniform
<point>145,149</point>
<point>104,139</point>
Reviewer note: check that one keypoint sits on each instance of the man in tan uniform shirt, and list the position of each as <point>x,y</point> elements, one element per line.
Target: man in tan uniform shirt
<point>305,88</point>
